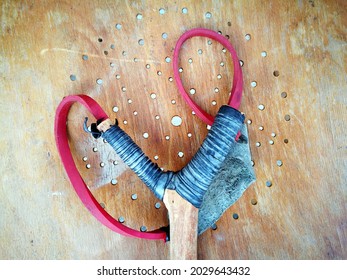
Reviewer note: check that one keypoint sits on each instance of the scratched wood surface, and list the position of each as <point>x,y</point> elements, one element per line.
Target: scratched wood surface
<point>294,63</point>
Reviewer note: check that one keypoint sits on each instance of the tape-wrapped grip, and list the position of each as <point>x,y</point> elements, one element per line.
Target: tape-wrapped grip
<point>193,180</point>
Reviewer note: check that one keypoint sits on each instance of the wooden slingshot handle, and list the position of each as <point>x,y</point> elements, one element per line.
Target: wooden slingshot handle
<point>183,226</point>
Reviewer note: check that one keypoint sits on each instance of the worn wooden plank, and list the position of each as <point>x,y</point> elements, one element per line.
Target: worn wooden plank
<point>301,216</point>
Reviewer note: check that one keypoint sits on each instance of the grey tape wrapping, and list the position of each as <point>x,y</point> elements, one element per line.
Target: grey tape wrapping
<point>156,180</point>
<point>194,179</point>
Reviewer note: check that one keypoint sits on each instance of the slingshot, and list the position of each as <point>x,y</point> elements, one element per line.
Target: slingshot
<point>192,182</point>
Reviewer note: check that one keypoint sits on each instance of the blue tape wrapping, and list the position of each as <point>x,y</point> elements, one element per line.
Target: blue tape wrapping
<point>194,179</point>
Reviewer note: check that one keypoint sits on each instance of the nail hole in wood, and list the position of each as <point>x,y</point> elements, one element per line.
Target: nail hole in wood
<point>99,81</point>
<point>157,205</point>
<point>176,121</point>
<point>276,73</point>
<point>145,135</point>
<point>114,182</point>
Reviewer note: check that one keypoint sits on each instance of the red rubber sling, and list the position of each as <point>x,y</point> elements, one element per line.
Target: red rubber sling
<point>236,91</point>
<point>78,183</point>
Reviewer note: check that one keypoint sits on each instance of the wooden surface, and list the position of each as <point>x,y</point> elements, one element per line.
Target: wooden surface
<point>183,218</point>
<point>301,216</point>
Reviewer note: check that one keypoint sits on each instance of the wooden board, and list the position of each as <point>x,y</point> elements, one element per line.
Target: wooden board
<point>296,47</point>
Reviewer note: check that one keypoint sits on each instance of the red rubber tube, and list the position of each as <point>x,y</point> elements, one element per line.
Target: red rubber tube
<point>77,181</point>
<point>236,91</point>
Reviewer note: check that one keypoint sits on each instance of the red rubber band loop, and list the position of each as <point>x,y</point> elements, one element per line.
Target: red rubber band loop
<point>236,91</point>
<point>76,180</point>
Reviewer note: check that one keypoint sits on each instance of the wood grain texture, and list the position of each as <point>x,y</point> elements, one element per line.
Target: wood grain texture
<point>301,216</point>
<point>183,218</point>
